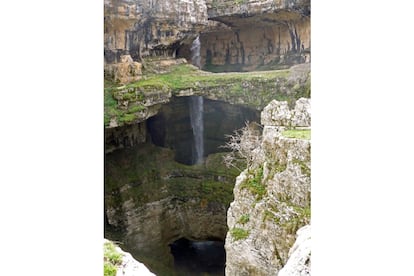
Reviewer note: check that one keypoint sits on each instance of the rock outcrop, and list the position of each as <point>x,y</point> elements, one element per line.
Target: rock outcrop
<point>134,103</point>
<point>271,200</point>
<point>125,71</point>
<point>129,266</point>
<point>278,114</point>
<point>299,263</point>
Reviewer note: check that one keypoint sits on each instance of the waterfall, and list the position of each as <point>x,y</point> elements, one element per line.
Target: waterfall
<point>197,124</point>
<point>196,109</point>
<point>195,52</point>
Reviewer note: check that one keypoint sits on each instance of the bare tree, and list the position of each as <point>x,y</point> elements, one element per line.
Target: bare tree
<point>244,145</point>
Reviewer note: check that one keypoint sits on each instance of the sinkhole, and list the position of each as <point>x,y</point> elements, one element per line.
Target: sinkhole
<point>196,258</point>
<point>196,125</point>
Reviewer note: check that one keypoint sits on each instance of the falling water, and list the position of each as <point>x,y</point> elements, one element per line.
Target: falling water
<point>196,109</point>
<point>195,52</point>
<point>197,124</point>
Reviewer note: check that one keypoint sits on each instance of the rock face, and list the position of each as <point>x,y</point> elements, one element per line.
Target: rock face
<point>152,201</point>
<point>271,202</point>
<point>299,263</point>
<point>130,266</point>
<point>125,71</point>
<point>278,114</point>
<point>150,28</point>
<point>125,136</point>
<point>235,35</point>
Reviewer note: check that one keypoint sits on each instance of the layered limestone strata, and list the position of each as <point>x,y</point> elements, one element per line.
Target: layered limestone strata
<point>236,35</point>
<point>257,45</point>
<point>221,8</point>
<point>150,28</point>
<point>262,34</point>
<point>152,201</point>
<point>271,199</point>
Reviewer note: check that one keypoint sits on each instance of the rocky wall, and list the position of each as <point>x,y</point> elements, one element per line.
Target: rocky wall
<point>149,27</point>
<point>256,44</point>
<point>151,201</point>
<point>271,202</point>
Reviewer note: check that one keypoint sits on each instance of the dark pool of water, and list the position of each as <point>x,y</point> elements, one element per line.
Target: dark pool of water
<point>196,258</point>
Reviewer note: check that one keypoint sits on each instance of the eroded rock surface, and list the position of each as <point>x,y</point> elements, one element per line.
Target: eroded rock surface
<point>299,263</point>
<point>271,202</point>
<point>125,71</point>
<point>153,201</point>
<point>278,113</point>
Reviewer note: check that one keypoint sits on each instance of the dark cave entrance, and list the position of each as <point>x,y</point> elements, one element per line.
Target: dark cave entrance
<point>196,258</point>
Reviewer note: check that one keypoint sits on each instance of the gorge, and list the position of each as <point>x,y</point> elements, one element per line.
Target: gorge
<point>180,77</point>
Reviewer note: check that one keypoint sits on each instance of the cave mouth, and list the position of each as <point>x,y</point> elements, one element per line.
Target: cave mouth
<point>196,258</point>
<point>172,126</point>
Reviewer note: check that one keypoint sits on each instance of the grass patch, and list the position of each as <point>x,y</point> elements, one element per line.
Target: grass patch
<point>184,76</point>
<point>239,233</point>
<point>269,215</point>
<point>127,118</point>
<point>301,218</point>
<point>244,219</point>
<point>112,259</point>
<point>110,104</point>
<point>255,89</point>
<point>297,133</point>
<point>136,108</point>
<point>254,184</point>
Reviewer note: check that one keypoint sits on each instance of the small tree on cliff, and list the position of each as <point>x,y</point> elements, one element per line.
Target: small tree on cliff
<point>244,145</point>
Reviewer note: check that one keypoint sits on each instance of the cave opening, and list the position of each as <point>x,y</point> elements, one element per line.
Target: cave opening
<point>173,128</point>
<point>196,258</point>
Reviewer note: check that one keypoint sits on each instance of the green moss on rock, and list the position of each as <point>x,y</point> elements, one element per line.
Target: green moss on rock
<point>239,233</point>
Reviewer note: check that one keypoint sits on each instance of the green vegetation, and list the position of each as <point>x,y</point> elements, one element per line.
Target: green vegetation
<point>304,168</point>
<point>301,217</point>
<point>149,173</point>
<point>244,219</point>
<point>254,184</point>
<point>297,133</point>
<point>184,76</point>
<point>112,110</point>
<point>239,233</point>
<point>112,259</point>
<point>255,89</point>
<point>269,215</point>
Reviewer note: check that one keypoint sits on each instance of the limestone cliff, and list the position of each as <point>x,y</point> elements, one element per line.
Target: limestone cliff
<point>235,35</point>
<point>271,198</point>
<point>152,201</point>
<point>149,27</point>
<point>262,34</point>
